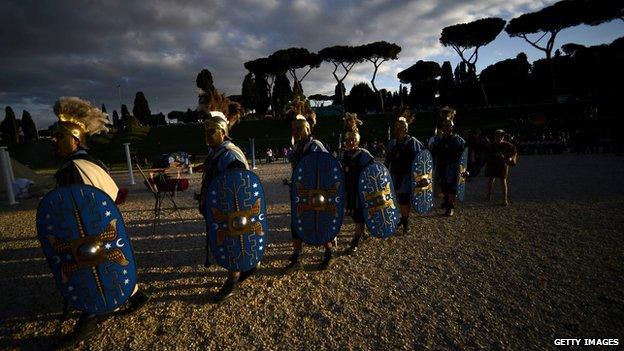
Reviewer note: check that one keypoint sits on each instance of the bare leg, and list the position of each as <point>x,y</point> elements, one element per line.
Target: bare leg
<point>327,257</point>
<point>229,287</point>
<point>505,188</point>
<point>405,210</point>
<point>489,189</point>
<point>451,198</point>
<point>294,264</point>
<point>359,231</point>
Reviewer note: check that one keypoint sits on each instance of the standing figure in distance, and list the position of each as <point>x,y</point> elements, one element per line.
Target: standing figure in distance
<point>353,161</point>
<point>447,149</point>
<point>77,119</point>
<point>500,154</point>
<point>399,157</point>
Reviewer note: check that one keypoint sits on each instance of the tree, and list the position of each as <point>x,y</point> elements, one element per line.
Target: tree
<point>9,128</point>
<point>116,121</point>
<point>103,108</point>
<point>467,91</point>
<point>124,111</point>
<point>361,98</point>
<point>447,85</point>
<point>247,92</point>
<point>403,95</point>
<point>339,94</point>
<point>205,85</point>
<point>344,57</point>
<point>177,115</point>
<point>597,71</point>
<point>188,116</point>
<point>377,53</point>
<point>28,127</point>
<point>548,22</point>
<point>292,59</point>
<point>265,70</point>
<point>159,119</point>
<point>507,81</point>
<point>298,89</point>
<point>128,121</point>
<point>261,92</point>
<point>601,11</point>
<point>473,35</point>
<point>424,86</point>
<point>141,109</point>
<point>282,93</point>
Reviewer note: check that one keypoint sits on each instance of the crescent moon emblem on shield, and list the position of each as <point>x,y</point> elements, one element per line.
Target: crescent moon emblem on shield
<point>215,226</point>
<point>56,259</point>
<point>118,243</point>
<point>337,199</point>
<point>296,198</point>
<point>261,217</point>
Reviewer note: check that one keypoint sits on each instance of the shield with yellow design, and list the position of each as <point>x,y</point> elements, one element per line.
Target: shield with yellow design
<point>379,203</point>
<point>235,213</point>
<point>84,239</point>
<point>422,182</point>
<point>317,198</point>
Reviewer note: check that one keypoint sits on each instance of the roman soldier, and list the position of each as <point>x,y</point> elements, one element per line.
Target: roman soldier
<point>401,152</point>
<point>353,161</point>
<point>304,120</point>
<point>78,119</point>
<point>447,148</point>
<point>221,115</point>
<point>500,155</point>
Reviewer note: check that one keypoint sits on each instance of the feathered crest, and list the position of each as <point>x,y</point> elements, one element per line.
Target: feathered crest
<point>446,115</point>
<point>219,102</point>
<point>405,115</point>
<point>351,122</point>
<point>301,107</point>
<point>80,112</point>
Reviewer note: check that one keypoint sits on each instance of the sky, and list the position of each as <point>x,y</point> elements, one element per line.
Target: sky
<point>50,49</point>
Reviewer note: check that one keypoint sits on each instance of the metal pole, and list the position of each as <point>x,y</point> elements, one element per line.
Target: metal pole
<point>6,172</point>
<point>252,145</point>
<point>11,173</point>
<point>129,163</point>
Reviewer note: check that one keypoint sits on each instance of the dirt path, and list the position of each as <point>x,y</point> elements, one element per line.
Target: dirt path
<point>548,266</point>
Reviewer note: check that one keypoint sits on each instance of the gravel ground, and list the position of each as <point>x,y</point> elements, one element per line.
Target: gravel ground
<point>548,266</point>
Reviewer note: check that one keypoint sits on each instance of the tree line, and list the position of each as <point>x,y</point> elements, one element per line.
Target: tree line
<point>267,87</point>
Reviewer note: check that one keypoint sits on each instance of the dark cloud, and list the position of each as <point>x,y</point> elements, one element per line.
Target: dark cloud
<point>87,48</point>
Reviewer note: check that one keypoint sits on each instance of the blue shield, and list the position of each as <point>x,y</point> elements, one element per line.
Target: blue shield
<point>378,199</point>
<point>462,175</point>
<point>84,239</point>
<point>235,213</point>
<point>422,182</point>
<point>317,198</point>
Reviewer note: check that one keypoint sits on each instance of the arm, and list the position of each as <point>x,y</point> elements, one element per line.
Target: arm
<point>389,151</point>
<point>204,185</point>
<point>366,158</point>
<point>513,155</point>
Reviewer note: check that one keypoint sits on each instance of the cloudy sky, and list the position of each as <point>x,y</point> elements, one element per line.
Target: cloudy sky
<point>88,47</point>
